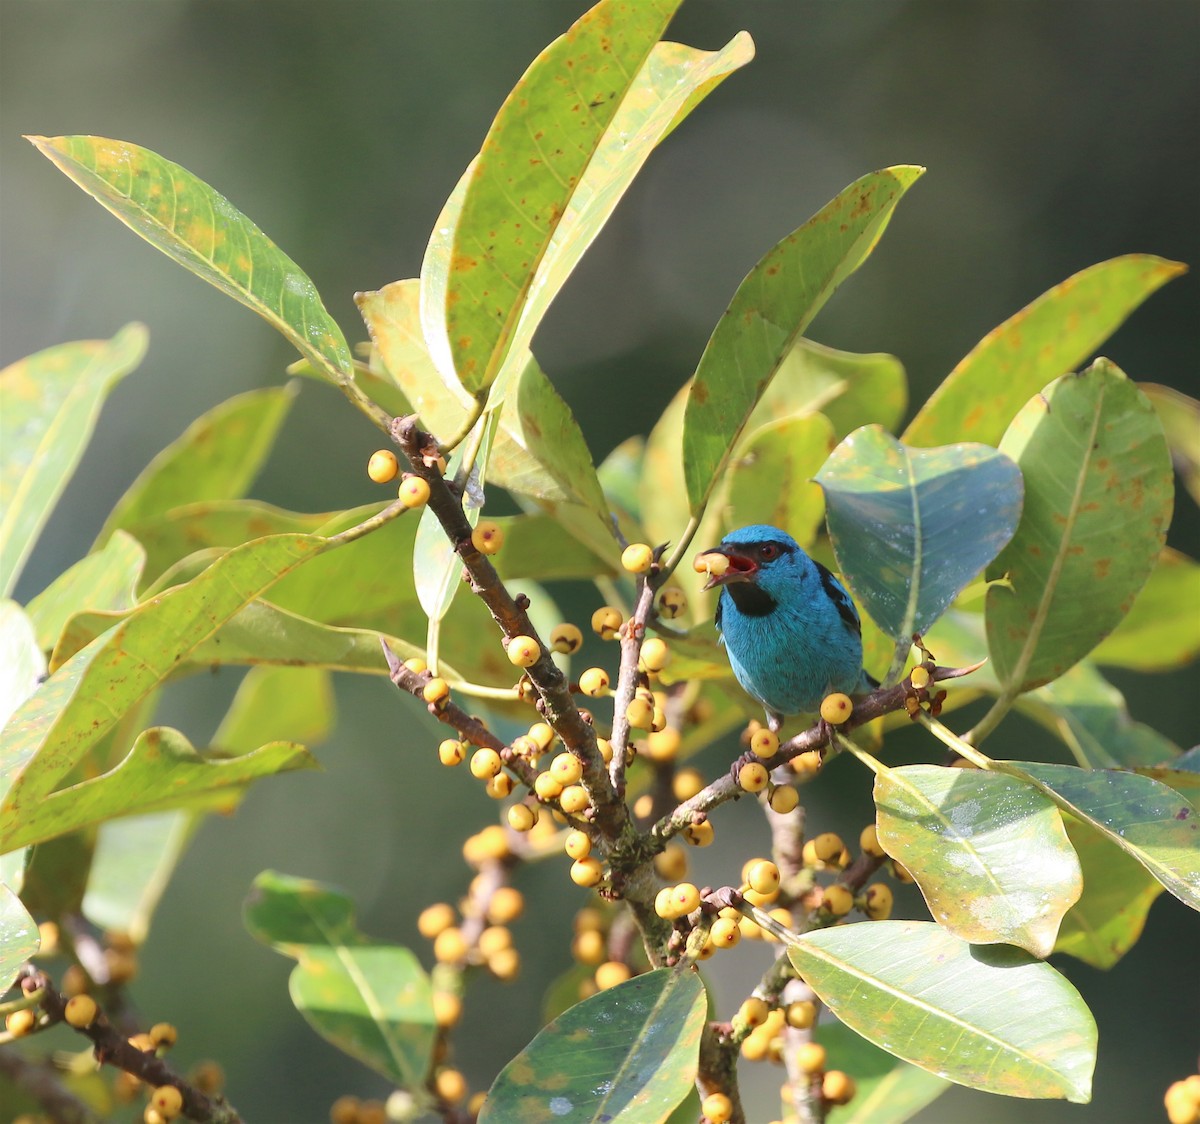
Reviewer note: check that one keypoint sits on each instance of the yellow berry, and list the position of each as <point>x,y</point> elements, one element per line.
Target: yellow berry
<point>655,654</point>
<point>449,946</point>
<point>868,842</point>
<point>838,900</point>
<point>663,745</point>
<point>81,1011</point>
<point>611,973</point>
<point>672,864</point>
<point>837,1087</point>
<point>506,905</point>
<point>753,1012</point>
<point>20,1023</point>
<point>450,1085</point>
<point>605,748</point>
<point>542,734</point>
<point>168,1101</point>
<point>710,562</point>
<point>485,764</point>
<point>684,899</point>
<point>698,834</point>
<point>488,537</point>
<point>807,765</point>
<point>164,1035</point>
<point>523,651</point>
<point>801,1014</point>
<point>639,714</point>
<point>901,874</point>
<point>717,1107</point>
<point>753,776</point>
<point>764,743</point>
<point>589,947</point>
<point>836,708</point>
<point>606,621</point>
<point>573,799</point>
<point>416,665</point>
<point>763,877</point>
<point>578,844</point>
<point>784,799</point>
<point>637,558</point>
<point>594,683</point>
<point>687,783</point>
<point>547,787</point>
<point>344,1110</point>
<point>919,677</point>
<point>566,638</point>
<point>671,602</point>
<point>566,768</point>
<point>725,932</point>
<point>436,691</point>
<point>587,872</point>
<point>413,492</point>
<point>878,901</point>
<point>521,817</point>
<point>383,466</point>
<point>435,919</point>
<point>827,846</point>
<point>500,786</point>
<point>810,1057</point>
<point>452,752</point>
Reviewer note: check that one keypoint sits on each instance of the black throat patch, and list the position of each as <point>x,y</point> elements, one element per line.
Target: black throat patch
<point>751,599</point>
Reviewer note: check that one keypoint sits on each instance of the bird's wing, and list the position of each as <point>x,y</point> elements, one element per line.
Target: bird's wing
<point>840,598</point>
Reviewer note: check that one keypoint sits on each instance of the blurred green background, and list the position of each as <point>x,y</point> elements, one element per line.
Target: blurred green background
<point>1056,134</point>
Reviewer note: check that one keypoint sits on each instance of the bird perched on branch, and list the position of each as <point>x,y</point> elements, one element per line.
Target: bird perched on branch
<point>790,628</point>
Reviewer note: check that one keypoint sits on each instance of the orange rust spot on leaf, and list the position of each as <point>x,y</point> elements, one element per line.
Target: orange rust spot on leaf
<point>1103,566</point>
<point>461,263</point>
<point>700,393</point>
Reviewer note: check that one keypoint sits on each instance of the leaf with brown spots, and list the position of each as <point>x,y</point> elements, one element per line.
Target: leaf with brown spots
<point>198,227</point>
<point>1053,335</point>
<point>1098,486</point>
<point>769,313</point>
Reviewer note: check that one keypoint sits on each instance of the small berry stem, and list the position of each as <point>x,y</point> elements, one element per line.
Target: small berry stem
<point>627,681</point>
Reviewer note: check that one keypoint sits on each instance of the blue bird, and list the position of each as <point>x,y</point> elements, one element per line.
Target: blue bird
<point>790,629</point>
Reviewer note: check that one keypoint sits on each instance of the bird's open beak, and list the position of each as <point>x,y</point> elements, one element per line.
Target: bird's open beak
<point>724,564</point>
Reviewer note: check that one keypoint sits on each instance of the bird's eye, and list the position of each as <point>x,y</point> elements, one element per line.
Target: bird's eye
<point>767,551</point>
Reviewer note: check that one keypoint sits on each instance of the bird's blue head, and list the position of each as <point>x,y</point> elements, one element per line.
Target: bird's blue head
<point>761,564</point>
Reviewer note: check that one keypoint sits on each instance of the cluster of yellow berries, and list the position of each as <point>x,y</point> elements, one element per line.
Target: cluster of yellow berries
<point>827,852</point>
<point>590,947</point>
<point>492,947</point>
<point>350,1110</point>
<point>1182,1101</point>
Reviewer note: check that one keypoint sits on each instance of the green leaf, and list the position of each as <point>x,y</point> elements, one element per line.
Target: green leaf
<point>49,403</point>
<point>101,582</point>
<point>216,458</point>
<point>769,313</point>
<point>1142,816</point>
<point>539,546</point>
<point>628,1054</point>
<point>1051,336</point>
<point>22,664</point>
<point>372,1001</point>
<point>990,1017</point>
<point>771,478</point>
<point>192,527</point>
<point>988,852</point>
<point>911,528</point>
<point>619,474</point>
<point>199,228</point>
<point>132,863</point>
<point>888,1091</point>
<point>295,703</point>
<point>529,174</point>
<point>1118,892</point>
<point>1097,503</point>
<point>1156,635</point>
<point>850,389</point>
<point>85,698</point>
<point>163,771</point>
<point>1180,417</point>
<point>19,938</point>
<point>1090,716</point>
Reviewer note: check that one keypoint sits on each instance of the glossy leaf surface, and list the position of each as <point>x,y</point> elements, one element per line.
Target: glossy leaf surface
<point>373,1001</point>
<point>1098,498</point>
<point>19,938</point>
<point>198,227</point>
<point>769,313</point>
<point>1180,417</point>
<point>988,852</point>
<point>22,664</point>
<point>628,1054</point>
<point>49,403</point>
<point>1046,339</point>
<point>990,1017</point>
<point>913,527</point>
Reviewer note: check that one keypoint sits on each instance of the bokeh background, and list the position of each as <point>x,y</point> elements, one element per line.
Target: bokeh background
<point>1056,133</point>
